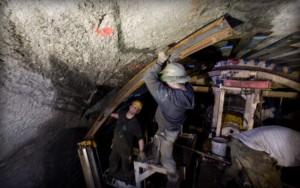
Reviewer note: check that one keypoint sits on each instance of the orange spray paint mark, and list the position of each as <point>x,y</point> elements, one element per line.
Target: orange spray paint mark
<point>106,31</point>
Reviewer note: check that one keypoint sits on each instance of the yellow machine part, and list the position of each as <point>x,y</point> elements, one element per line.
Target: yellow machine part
<point>231,118</point>
<point>87,143</point>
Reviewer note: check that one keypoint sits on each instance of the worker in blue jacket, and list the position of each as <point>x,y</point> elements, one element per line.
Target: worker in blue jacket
<point>174,95</point>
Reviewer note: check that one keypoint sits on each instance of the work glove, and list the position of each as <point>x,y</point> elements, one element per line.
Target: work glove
<point>141,156</point>
<point>162,57</point>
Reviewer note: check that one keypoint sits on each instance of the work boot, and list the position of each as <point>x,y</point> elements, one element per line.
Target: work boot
<point>172,185</point>
<point>173,180</point>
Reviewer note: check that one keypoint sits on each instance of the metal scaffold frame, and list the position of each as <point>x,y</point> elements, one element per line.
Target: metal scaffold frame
<point>90,163</point>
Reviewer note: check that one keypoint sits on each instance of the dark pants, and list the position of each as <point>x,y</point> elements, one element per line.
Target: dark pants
<point>259,166</point>
<point>120,152</point>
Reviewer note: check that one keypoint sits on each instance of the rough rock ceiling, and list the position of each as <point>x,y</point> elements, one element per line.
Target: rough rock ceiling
<point>57,55</point>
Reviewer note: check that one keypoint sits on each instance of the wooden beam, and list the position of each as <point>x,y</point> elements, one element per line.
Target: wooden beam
<point>265,43</point>
<point>285,55</point>
<point>277,52</point>
<point>253,43</point>
<point>287,41</point>
<point>202,89</point>
<point>286,58</point>
<point>281,94</point>
<point>266,93</point>
<point>244,41</point>
<point>279,79</point>
<point>226,50</point>
<point>250,106</point>
<point>220,111</point>
<point>208,35</point>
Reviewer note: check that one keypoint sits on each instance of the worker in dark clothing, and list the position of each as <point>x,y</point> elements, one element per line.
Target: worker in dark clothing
<point>174,96</point>
<point>127,128</point>
<point>261,152</point>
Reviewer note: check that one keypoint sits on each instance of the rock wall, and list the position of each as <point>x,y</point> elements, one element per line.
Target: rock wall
<point>55,55</point>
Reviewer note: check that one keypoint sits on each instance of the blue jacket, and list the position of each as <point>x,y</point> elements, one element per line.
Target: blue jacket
<point>172,103</point>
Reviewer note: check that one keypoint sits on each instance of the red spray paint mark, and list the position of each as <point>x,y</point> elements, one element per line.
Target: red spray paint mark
<point>106,31</point>
<point>133,67</point>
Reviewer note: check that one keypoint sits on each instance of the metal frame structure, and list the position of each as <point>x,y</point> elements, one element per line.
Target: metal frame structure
<point>256,81</point>
<point>90,163</point>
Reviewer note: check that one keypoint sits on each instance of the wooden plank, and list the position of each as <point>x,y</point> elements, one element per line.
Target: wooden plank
<point>253,43</point>
<point>242,43</point>
<point>269,41</point>
<point>217,93</point>
<point>279,79</point>
<point>208,35</point>
<point>279,51</point>
<point>285,55</point>
<point>201,89</point>
<point>250,106</point>
<point>287,59</point>
<point>220,111</point>
<point>291,39</point>
<point>226,50</point>
<point>199,80</point>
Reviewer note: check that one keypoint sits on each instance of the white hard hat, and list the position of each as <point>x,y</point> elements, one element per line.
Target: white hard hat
<point>174,73</point>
